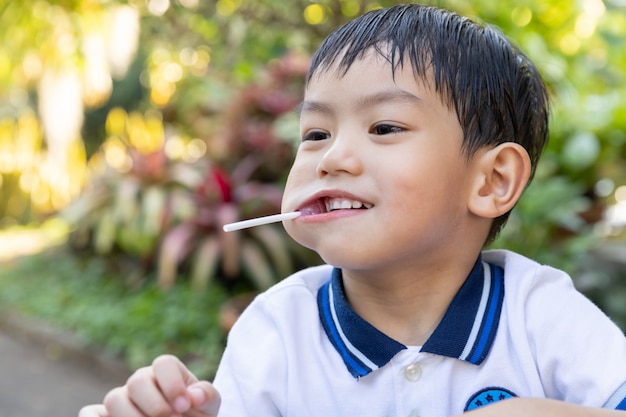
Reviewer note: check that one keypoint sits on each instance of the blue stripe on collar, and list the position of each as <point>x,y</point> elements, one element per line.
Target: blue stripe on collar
<point>469,326</point>
<point>362,347</point>
<point>466,331</point>
<point>617,401</point>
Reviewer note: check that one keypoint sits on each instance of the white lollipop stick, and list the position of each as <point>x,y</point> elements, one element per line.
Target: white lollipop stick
<point>260,221</point>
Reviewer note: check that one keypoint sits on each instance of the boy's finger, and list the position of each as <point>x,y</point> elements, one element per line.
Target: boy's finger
<point>204,397</point>
<point>118,404</point>
<point>142,390</point>
<point>96,410</point>
<point>173,377</point>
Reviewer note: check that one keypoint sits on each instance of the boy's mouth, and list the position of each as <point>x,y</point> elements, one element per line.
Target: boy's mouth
<point>328,204</point>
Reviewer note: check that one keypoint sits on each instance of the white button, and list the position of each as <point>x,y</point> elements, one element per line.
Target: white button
<point>413,372</point>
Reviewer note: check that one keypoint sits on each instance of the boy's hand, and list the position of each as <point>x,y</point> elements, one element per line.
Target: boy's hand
<point>525,407</point>
<point>165,389</point>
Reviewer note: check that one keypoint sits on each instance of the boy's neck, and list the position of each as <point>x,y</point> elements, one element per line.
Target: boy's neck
<point>405,305</point>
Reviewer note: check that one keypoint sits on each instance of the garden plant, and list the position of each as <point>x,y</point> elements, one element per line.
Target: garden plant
<point>144,125</point>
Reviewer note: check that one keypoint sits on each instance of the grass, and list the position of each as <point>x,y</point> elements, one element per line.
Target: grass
<point>135,324</point>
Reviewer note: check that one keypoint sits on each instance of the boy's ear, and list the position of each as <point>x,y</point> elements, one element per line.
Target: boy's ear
<point>502,175</point>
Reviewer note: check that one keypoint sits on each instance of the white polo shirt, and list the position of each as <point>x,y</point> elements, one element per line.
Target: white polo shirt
<point>515,328</point>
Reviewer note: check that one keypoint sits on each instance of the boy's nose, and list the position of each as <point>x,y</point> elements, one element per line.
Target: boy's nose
<point>340,158</point>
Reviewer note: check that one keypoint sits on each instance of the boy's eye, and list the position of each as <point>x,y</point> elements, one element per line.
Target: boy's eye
<point>385,129</point>
<point>315,135</point>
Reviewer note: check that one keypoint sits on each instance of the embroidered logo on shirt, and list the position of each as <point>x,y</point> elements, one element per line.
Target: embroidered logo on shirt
<point>488,396</point>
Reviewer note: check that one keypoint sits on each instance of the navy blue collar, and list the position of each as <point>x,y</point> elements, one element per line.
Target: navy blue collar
<point>466,331</point>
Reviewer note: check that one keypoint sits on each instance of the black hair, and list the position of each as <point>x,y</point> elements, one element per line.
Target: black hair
<point>496,91</point>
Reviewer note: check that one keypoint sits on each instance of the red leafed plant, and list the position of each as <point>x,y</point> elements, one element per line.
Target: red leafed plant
<point>168,213</point>
<point>263,255</point>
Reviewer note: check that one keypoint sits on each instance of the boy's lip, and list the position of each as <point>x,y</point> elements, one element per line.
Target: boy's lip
<point>320,202</point>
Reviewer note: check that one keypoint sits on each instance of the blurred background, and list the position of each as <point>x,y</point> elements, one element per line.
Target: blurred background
<point>130,131</point>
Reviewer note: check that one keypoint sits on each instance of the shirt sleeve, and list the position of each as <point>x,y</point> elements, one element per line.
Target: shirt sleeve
<point>580,353</point>
<point>251,367</point>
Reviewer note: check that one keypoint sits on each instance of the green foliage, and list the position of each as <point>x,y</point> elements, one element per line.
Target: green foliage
<point>167,212</point>
<point>228,73</point>
<point>601,278</point>
<point>135,193</point>
<point>136,324</point>
<point>578,46</point>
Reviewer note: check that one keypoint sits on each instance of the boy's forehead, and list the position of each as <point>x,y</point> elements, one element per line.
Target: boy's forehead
<point>380,57</point>
<point>370,82</point>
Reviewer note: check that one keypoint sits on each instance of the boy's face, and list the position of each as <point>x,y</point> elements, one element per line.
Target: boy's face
<point>379,176</point>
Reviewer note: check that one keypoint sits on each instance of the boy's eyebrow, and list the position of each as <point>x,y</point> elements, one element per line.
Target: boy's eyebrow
<point>366,101</point>
<point>387,96</point>
<point>313,106</point>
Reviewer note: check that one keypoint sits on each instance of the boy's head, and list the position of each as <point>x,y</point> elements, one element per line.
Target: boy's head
<point>494,89</point>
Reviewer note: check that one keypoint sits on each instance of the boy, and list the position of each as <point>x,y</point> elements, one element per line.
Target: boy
<point>420,129</point>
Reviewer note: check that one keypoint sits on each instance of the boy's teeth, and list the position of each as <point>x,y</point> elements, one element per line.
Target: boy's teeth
<point>344,204</point>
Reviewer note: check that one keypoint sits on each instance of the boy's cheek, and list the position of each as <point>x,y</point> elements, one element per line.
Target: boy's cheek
<point>298,176</point>
<point>287,194</point>
<point>299,235</point>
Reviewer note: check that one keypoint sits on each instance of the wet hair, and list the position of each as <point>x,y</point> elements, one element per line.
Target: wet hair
<point>495,90</point>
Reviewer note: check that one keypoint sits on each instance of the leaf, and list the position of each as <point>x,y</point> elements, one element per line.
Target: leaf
<point>104,234</point>
<point>186,175</point>
<point>205,263</point>
<point>244,169</point>
<point>153,209</point>
<point>125,204</point>
<point>228,213</point>
<point>269,194</point>
<point>581,150</point>
<point>256,265</point>
<point>81,208</point>
<point>174,248</point>
<point>275,244</point>
<point>134,241</point>
<point>181,206</point>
